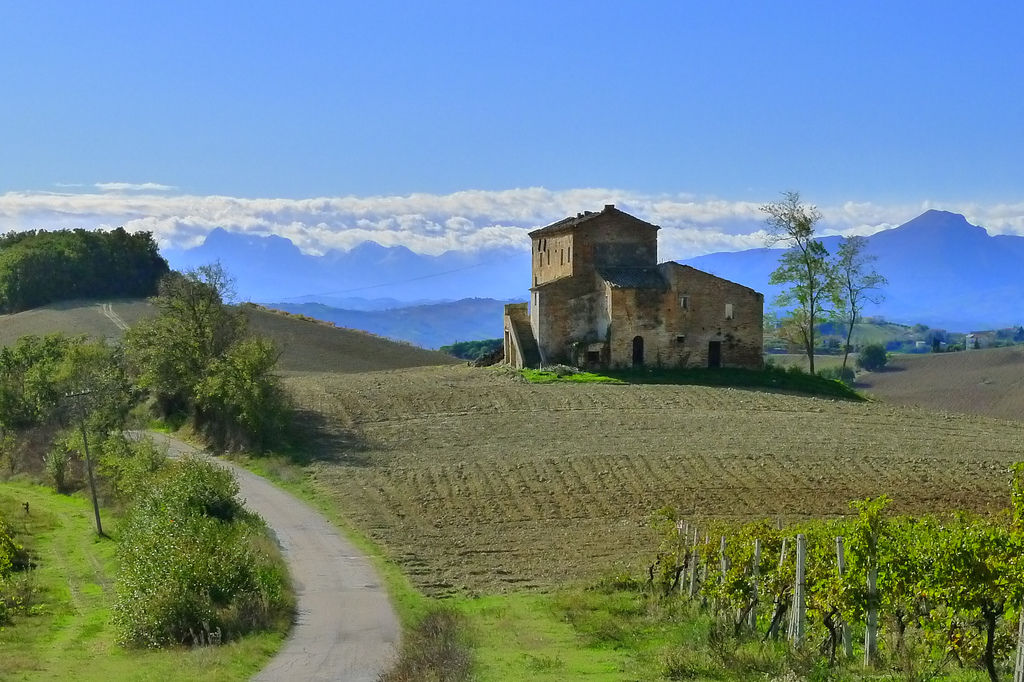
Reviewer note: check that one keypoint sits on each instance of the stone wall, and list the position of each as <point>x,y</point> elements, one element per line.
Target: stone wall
<point>617,239</point>
<point>677,333</point>
<point>552,258</point>
<point>567,312</point>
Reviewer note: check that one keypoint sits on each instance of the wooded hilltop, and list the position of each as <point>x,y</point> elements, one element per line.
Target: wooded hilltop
<point>39,267</point>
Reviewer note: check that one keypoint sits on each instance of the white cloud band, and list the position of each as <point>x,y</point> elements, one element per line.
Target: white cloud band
<point>433,223</point>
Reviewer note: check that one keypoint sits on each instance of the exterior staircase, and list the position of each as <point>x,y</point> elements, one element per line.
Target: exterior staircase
<point>517,322</point>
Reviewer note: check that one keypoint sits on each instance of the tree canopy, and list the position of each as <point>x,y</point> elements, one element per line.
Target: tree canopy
<point>38,267</point>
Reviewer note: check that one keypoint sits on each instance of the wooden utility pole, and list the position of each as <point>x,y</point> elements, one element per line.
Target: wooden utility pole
<point>77,397</point>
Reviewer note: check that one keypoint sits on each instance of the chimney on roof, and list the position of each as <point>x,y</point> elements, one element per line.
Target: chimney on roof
<point>609,207</point>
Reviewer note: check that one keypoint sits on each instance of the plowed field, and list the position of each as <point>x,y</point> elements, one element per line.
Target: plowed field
<point>987,382</point>
<point>475,480</point>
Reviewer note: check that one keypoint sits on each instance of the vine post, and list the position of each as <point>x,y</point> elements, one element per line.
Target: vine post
<point>773,630</point>
<point>1018,668</point>
<point>683,532</point>
<point>871,631</point>
<point>755,573</point>
<point>723,560</point>
<point>694,559</point>
<point>797,614</point>
<point>843,625</point>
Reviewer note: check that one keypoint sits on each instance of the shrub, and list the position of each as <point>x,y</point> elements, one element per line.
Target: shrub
<point>845,375</point>
<point>872,357</point>
<point>128,466</point>
<point>9,550</point>
<point>56,462</point>
<point>194,562</point>
<point>436,649</point>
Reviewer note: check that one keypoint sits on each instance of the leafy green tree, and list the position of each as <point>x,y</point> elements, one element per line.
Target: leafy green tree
<point>172,352</point>
<point>199,361</point>
<point>856,284</point>
<point>805,267</point>
<point>872,357</point>
<point>240,399</point>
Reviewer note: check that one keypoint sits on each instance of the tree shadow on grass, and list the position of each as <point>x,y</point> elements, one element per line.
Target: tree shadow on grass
<point>315,438</point>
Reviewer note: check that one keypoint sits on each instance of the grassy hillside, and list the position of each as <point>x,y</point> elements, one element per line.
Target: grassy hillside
<point>70,635</point>
<point>475,480</point>
<point>986,382</point>
<point>73,317</point>
<point>306,345</point>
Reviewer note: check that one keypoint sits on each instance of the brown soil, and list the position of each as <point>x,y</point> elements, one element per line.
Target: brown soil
<point>475,480</point>
<point>988,382</point>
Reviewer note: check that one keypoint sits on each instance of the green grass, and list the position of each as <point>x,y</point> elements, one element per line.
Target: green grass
<point>772,378</point>
<point>607,633</point>
<point>68,634</point>
<point>540,376</point>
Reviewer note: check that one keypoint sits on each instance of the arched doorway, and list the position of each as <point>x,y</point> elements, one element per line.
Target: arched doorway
<point>638,351</point>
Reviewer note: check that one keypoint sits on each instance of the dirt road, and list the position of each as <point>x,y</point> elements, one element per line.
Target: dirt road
<point>346,628</point>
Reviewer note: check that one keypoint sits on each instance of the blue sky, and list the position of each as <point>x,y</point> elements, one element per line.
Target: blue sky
<point>889,106</point>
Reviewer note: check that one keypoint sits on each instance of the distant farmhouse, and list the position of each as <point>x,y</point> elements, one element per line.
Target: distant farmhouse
<point>601,300</point>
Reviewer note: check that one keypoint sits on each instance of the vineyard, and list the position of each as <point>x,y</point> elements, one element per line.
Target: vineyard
<point>944,590</point>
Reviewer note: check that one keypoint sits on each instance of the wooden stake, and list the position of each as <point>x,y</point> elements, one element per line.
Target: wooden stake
<point>774,630</point>
<point>871,631</point>
<point>844,627</point>
<point>723,560</point>
<point>693,565</point>
<point>755,576</point>
<point>797,615</point>
<point>1018,670</point>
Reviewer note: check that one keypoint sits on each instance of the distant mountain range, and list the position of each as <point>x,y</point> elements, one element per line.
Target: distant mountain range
<point>942,271</point>
<point>272,269</point>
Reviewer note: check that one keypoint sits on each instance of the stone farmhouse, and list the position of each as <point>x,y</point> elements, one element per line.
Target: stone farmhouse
<point>600,299</point>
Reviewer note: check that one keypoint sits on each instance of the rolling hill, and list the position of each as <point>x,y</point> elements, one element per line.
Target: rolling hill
<point>306,345</point>
<point>431,325</point>
<point>987,382</point>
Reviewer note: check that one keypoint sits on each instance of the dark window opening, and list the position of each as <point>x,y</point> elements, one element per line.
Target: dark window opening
<point>681,339</point>
<point>593,358</point>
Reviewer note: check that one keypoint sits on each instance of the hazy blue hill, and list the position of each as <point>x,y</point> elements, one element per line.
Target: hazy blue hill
<point>430,326</point>
<point>270,269</point>
<point>942,271</point>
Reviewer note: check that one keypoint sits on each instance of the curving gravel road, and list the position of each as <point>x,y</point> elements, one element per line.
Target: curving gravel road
<point>345,628</point>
